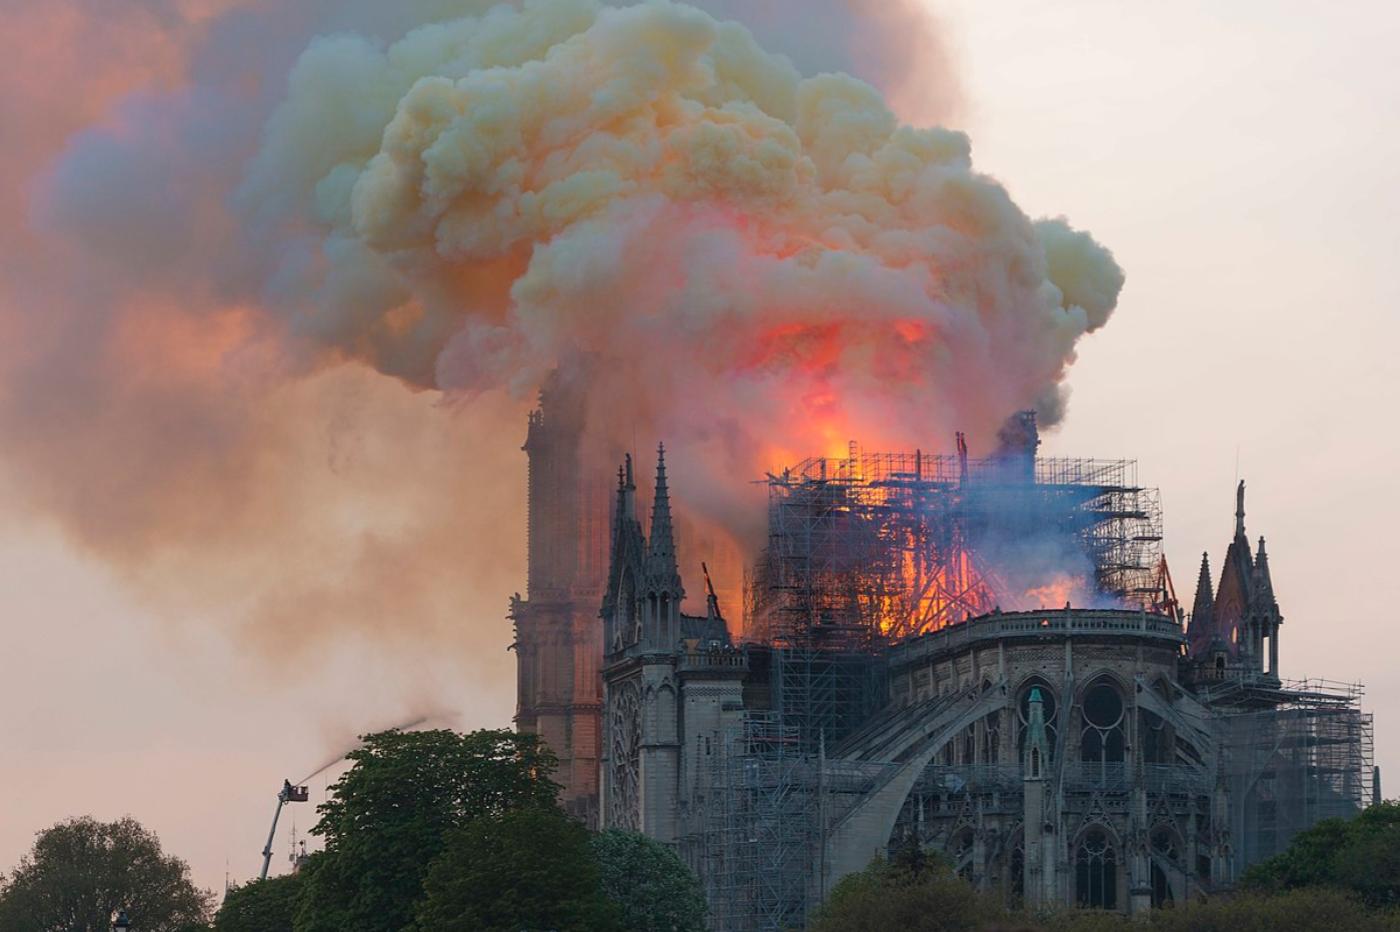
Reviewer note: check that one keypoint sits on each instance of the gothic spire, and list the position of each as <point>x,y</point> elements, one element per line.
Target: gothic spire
<point>1203,612</point>
<point>625,511</point>
<point>1237,572</point>
<point>1036,713</point>
<point>1037,751</point>
<point>1239,511</point>
<point>628,488</point>
<point>620,509</point>
<point>662,548</point>
<point>1263,582</point>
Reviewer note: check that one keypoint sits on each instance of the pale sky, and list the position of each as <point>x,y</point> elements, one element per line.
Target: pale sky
<point>1241,160</point>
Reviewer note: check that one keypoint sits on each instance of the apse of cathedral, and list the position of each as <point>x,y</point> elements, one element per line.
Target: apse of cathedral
<point>983,657</point>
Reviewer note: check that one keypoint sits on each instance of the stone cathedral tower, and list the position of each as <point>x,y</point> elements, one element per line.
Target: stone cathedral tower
<point>558,634</point>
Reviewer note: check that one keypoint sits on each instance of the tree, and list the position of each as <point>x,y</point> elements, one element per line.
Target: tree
<point>1291,911</point>
<point>1288,911</point>
<point>80,872</point>
<point>1361,855</point>
<point>1308,861</point>
<point>651,886</point>
<point>914,891</point>
<point>527,870</point>
<point>391,814</point>
<point>263,905</point>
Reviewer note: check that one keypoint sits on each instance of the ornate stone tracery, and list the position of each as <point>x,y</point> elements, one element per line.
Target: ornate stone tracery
<point>624,759</point>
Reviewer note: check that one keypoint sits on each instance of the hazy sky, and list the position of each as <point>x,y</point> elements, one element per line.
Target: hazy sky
<point>1241,160</point>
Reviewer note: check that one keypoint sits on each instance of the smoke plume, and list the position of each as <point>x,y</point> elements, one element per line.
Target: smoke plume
<point>263,246</point>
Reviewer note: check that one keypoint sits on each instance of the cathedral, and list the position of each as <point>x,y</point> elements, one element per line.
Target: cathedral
<point>910,671</point>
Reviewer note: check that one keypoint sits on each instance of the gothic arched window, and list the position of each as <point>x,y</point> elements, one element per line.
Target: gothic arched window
<point>1095,871</point>
<point>1102,738</point>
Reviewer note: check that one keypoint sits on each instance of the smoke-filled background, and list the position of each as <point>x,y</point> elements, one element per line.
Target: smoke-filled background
<point>279,281</point>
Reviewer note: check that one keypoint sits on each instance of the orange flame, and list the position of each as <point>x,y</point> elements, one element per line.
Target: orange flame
<point>1057,593</point>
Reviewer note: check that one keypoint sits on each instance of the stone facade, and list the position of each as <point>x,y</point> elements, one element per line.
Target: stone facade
<point>1108,758</point>
<point>673,682</point>
<point>1082,775</point>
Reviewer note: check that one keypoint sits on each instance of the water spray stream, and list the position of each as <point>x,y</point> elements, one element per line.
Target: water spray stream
<point>341,755</point>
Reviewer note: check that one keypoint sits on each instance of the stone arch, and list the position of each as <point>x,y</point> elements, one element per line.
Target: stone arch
<point>1124,685</point>
<point>1096,862</point>
<point>1100,820</point>
<point>865,830</point>
<point>1189,742</point>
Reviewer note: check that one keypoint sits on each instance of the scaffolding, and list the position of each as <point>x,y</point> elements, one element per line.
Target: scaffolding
<point>873,549</point>
<point>760,837</point>
<point>879,547</point>
<point>825,695</point>
<point>762,828</point>
<point>864,552</point>
<point>1292,765</point>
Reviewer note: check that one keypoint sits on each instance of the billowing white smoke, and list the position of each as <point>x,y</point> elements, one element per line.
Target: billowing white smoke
<point>760,265</point>
<point>234,202</point>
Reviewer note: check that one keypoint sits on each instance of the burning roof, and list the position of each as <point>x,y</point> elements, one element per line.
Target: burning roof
<point>881,547</point>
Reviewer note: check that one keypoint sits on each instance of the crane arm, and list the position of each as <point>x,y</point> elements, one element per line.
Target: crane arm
<point>288,794</point>
<point>267,849</point>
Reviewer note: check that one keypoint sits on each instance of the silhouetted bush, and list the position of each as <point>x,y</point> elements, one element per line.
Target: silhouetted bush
<point>1361,855</point>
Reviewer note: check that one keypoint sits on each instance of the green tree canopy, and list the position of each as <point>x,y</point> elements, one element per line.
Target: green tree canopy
<point>263,905</point>
<point>390,816</point>
<point>651,886</point>
<point>525,871</point>
<point>1361,855</point>
<point>80,872</point>
<point>914,891</point>
<point>1289,911</point>
<point>889,896</point>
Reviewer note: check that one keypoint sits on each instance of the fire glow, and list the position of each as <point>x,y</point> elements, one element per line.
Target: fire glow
<point>886,547</point>
<point>1061,592</point>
